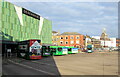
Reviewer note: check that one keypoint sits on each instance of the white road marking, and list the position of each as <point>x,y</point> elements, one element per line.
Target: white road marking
<point>31,67</point>
<point>43,63</point>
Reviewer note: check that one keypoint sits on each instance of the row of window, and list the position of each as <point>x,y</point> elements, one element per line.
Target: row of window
<point>65,38</point>
<point>70,37</point>
<point>71,42</point>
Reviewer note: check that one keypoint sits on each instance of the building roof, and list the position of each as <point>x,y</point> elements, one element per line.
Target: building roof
<point>70,33</point>
<point>117,38</point>
<point>54,32</point>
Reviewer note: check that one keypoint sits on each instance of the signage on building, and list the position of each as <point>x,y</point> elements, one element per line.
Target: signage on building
<point>29,13</point>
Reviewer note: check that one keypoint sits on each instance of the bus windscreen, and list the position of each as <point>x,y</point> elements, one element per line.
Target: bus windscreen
<point>69,49</point>
<point>59,49</point>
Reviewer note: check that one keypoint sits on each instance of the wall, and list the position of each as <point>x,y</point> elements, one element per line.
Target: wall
<point>111,43</point>
<point>17,26</point>
<point>81,41</point>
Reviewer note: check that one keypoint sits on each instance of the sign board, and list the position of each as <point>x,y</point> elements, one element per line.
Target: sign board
<point>29,13</point>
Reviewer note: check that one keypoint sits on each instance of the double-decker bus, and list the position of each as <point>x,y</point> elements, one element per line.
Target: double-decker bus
<point>72,50</point>
<point>46,50</point>
<point>30,49</point>
<point>58,50</point>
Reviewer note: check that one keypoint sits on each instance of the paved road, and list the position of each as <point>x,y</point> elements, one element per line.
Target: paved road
<point>100,63</point>
<point>16,66</point>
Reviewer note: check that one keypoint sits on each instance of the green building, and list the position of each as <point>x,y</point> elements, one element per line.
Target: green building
<point>18,24</point>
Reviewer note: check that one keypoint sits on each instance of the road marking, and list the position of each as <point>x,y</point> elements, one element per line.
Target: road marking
<point>54,65</point>
<point>43,63</point>
<point>31,67</point>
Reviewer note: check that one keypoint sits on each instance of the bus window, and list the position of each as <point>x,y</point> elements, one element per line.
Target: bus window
<point>34,51</point>
<point>69,49</point>
<point>89,48</point>
<point>53,49</point>
<point>43,48</point>
<point>23,47</point>
<point>47,49</point>
<point>59,49</point>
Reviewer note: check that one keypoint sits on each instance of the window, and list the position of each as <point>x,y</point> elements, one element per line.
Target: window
<point>53,49</point>
<point>55,39</point>
<point>66,42</point>
<point>45,48</point>
<point>69,49</point>
<point>61,37</point>
<point>71,37</point>
<point>61,42</point>
<point>77,41</point>
<point>77,37</point>
<point>54,43</point>
<point>66,37</point>
<point>72,42</point>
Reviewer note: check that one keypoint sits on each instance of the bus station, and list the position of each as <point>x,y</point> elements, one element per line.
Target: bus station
<point>27,48</point>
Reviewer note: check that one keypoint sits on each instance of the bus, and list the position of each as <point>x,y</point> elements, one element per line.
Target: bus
<point>72,50</point>
<point>46,50</point>
<point>89,48</point>
<point>30,49</point>
<point>58,50</point>
<point>64,50</point>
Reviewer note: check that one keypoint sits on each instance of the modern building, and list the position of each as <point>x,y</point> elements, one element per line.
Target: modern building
<point>18,24</point>
<point>69,39</point>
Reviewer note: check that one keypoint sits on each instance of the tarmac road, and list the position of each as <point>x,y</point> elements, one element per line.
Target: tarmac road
<point>99,63</point>
<point>17,66</point>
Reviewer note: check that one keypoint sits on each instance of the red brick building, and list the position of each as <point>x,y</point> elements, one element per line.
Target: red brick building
<point>71,39</point>
<point>118,42</point>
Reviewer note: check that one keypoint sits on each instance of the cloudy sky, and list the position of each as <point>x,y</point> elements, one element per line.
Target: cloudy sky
<point>82,17</point>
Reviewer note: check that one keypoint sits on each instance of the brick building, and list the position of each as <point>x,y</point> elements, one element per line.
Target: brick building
<point>118,42</point>
<point>69,39</point>
<point>55,38</point>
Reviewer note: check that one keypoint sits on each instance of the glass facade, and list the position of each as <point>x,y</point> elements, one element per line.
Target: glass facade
<point>17,26</point>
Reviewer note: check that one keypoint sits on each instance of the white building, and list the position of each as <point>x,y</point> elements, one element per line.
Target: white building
<point>107,43</point>
<point>113,42</point>
<point>96,37</point>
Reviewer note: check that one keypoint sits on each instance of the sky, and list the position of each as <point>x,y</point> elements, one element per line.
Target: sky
<point>82,17</point>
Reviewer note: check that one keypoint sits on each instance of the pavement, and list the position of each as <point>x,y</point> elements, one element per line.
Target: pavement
<point>97,63</point>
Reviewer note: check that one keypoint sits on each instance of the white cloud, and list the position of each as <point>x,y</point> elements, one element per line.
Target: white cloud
<point>85,18</point>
